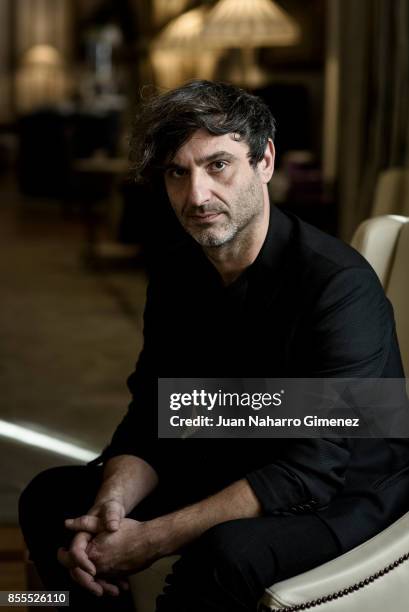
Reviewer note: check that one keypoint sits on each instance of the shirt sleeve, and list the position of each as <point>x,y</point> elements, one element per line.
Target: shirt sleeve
<point>349,333</point>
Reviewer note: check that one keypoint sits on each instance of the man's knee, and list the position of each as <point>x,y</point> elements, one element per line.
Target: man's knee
<point>38,490</point>
<point>48,491</point>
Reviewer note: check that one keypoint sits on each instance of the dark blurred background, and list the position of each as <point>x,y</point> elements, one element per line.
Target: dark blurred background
<point>77,233</point>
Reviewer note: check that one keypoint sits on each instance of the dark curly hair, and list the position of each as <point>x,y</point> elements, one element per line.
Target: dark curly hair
<point>165,122</point>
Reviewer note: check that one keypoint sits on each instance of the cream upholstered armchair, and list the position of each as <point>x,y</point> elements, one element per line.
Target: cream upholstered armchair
<point>375,575</point>
<point>384,241</point>
<point>391,193</point>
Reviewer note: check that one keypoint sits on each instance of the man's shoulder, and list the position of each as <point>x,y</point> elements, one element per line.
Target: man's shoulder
<point>313,264</point>
<point>325,252</point>
<point>303,250</point>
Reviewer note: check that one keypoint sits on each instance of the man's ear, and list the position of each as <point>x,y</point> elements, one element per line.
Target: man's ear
<point>266,165</point>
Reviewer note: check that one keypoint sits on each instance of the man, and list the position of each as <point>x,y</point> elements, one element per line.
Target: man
<point>250,292</point>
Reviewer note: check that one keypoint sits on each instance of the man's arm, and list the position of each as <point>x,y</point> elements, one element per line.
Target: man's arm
<point>126,481</point>
<point>135,545</point>
<point>172,531</point>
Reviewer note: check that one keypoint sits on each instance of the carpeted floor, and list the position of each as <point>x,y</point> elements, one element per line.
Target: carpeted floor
<point>69,337</point>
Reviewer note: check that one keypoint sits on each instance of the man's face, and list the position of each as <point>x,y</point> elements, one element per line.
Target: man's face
<point>213,189</point>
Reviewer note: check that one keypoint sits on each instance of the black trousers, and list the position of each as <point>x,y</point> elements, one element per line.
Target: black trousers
<point>227,569</point>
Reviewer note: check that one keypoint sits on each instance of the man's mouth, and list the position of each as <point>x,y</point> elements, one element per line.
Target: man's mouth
<point>205,218</point>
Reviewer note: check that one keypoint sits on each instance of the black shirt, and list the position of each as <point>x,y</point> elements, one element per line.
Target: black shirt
<point>309,306</point>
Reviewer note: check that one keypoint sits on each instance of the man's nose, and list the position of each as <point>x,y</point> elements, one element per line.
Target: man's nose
<point>198,188</point>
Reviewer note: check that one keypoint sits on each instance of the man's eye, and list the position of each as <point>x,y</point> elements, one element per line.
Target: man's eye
<point>218,166</point>
<point>176,172</point>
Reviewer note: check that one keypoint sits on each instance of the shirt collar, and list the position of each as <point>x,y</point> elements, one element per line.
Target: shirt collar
<point>274,251</point>
<point>272,257</point>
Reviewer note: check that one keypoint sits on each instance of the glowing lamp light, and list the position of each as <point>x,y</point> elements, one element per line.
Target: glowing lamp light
<point>44,55</point>
<point>183,32</point>
<point>249,23</point>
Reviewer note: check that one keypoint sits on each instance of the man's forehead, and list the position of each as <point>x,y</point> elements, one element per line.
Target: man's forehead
<point>201,144</point>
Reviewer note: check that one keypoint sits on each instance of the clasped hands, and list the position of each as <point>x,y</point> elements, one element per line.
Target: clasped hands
<point>106,548</point>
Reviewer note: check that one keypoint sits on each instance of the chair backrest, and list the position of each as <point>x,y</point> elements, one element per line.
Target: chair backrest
<point>392,193</point>
<point>384,242</point>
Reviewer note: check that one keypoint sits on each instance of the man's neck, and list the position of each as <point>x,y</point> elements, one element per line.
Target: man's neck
<point>232,259</point>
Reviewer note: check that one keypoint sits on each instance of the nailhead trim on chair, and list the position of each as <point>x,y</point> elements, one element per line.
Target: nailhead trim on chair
<point>338,594</point>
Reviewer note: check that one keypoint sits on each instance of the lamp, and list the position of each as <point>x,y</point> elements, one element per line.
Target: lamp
<point>182,32</point>
<point>202,34</point>
<point>163,10</point>
<point>177,52</point>
<point>253,23</point>
<point>41,79</point>
<point>42,55</point>
<point>247,24</point>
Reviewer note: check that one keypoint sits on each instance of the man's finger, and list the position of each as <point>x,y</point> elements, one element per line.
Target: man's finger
<point>112,524</point>
<point>124,584</point>
<point>64,558</point>
<point>86,581</point>
<point>108,587</point>
<point>79,555</point>
<point>112,516</point>
<point>92,524</point>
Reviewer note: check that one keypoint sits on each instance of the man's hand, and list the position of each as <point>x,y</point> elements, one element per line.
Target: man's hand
<point>105,515</point>
<point>127,480</point>
<point>83,571</point>
<point>127,550</point>
<point>75,559</point>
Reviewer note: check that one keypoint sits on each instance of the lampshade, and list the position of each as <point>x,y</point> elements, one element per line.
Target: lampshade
<point>249,23</point>
<point>182,32</point>
<point>41,79</point>
<point>44,55</point>
<point>163,10</point>
<point>177,53</point>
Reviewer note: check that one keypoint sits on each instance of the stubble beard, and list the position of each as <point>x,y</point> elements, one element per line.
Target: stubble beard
<point>247,207</point>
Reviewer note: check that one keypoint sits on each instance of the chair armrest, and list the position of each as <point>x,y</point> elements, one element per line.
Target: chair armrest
<point>373,576</point>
